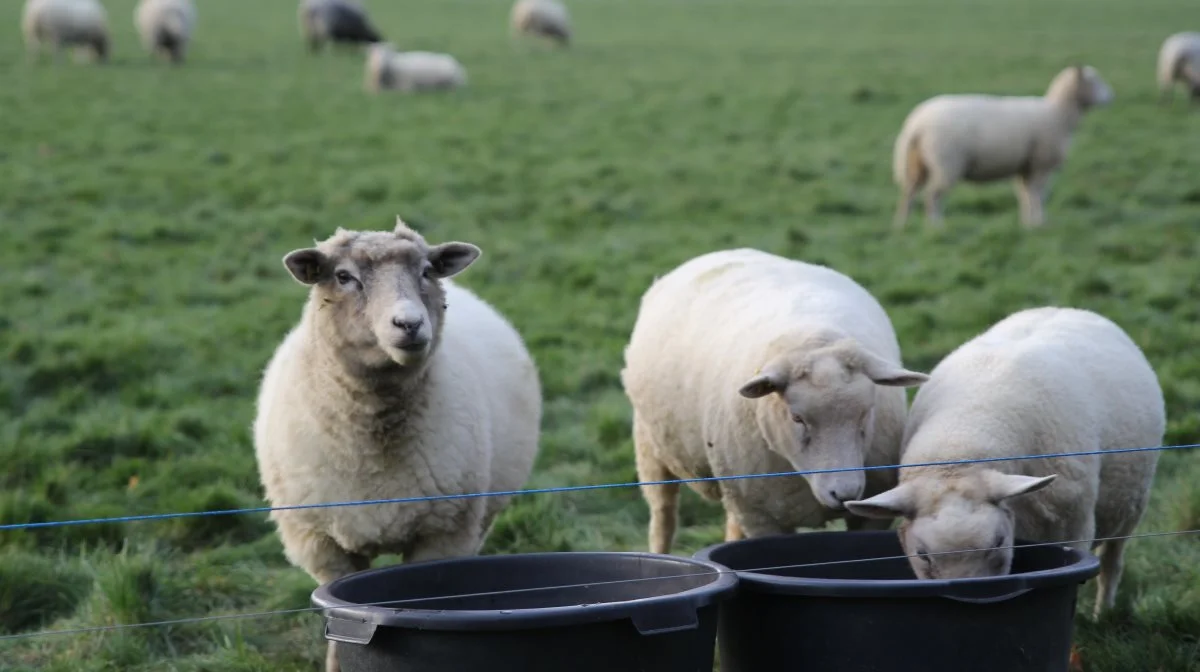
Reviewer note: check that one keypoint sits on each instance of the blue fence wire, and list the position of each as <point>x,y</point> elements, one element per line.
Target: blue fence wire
<point>562,489</point>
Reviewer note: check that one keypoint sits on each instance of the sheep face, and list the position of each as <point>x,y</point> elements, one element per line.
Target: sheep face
<point>1082,84</point>
<point>956,525</point>
<point>816,408</point>
<point>377,296</point>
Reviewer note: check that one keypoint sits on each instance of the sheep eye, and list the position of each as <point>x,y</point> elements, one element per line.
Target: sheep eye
<point>999,542</point>
<point>921,553</point>
<point>797,419</point>
<point>425,273</point>
<point>343,277</point>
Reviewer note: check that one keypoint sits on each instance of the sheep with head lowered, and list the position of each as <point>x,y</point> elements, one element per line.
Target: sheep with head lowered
<point>1179,62</point>
<point>336,21</point>
<point>541,18</point>
<point>983,138</point>
<point>1041,381</point>
<point>396,383</point>
<point>165,26</point>
<point>411,71</point>
<point>744,362</point>
<point>60,24</point>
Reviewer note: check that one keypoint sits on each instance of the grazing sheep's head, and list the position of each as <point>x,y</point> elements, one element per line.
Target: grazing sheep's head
<point>816,408</point>
<point>955,525</point>
<point>377,295</point>
<point>1082,85</point>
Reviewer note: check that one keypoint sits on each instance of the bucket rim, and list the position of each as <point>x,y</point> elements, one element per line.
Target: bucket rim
<point>332,607</point>
<point>1080,567</point>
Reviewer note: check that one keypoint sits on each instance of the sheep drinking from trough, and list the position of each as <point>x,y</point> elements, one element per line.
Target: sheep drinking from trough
<point>541,18</point>
<point>396,383</point>
<point>337,21</point>
<point>60,24</point>
<point>983,138</point>
<point>165,26</point>
<point>1041,381</point>
<point>410,71</point>
<point>744,362</point>
<point>1179,62</point>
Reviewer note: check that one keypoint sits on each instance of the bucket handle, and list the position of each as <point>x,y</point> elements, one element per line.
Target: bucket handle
<point>988,600</point>
<point>350,632</point>
<point>664,618</point>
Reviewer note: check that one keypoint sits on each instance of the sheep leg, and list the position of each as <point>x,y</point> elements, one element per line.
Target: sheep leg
<point>733,530</point>
<point>933,205</point>
<point>903,207</point>
<point>465,540</point>
<point>1034,188</point>
<point>662,499</point>
<point>1112,564</point>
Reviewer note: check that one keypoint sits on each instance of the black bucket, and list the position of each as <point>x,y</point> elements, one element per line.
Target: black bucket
<point>539,612</point>
<point>876,616</point>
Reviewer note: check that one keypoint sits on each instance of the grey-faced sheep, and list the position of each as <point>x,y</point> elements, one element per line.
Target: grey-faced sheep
<point>60,24</point>
<point>396,383</point>
<point>1041,381</point>
<point>165,26</point>
<point>743,362</point>
<point>982,138</point>
<point>410,71</point>
<point>1179,62</point>
<point>542,18</point>
<point>337,21</point>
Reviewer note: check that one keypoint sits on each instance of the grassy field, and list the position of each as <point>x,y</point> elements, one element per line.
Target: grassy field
<point>144,212</point>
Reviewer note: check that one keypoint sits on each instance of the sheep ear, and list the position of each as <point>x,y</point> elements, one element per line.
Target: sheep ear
<point>307,266</point>
<point>894,503</point>
<point>882,372</point>
<point>450,259</point>
<point>766,382</point>
<point>1002,486</point>
<point>402,227</point>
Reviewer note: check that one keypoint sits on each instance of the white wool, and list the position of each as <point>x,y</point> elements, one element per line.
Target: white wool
<point>1179,62</point>
<point>165,26</point>
<point>59,24</point>
<point>411,71</point>
<point>981,138</point>
<point>1043,380</point>
<point>544,18</point>
<point>745,362</point>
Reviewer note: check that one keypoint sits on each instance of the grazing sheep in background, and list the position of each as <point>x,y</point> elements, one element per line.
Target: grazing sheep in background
<point>166,26</point>
<point>544,18</point>
<point>981,138</point>
<point>337,21</point>
<point>395,383</point>
<point>1044,380</point>
<point>744,362</point>
<point>411,71</point>
<point>65,23</point>
<point>1179,61</point>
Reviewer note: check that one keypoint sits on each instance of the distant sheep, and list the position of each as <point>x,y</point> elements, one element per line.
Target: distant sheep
<point>411,71</point>
<point>336,21</point>
<point>63,24</point>
<point>166,26</point>
<point>743,362</point>
<point>1179,61</point>
<point>1044,380</point>
<point>396,383</point>
<point>982,138</point>
<point>543,18</point>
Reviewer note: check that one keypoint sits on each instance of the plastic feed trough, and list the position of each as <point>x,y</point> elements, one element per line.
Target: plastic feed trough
<point>664,621</point>
<point>876,616</point>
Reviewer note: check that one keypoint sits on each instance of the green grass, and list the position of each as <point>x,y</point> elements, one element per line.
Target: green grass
<point>144,212</point>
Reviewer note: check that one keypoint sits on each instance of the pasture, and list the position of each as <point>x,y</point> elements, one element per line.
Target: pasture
<point>144,212</point>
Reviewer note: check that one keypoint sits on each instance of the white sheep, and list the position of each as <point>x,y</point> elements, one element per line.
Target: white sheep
<point>1179,61</point>
<point>744,362</point>
<point>61,24</point>
<point>395,383</point>
<point>410,71</point>
<point>1041,381</point>
<point>336,21</point>
<point>983,138</point>
<point>542,18</point>
<point>165,26</point>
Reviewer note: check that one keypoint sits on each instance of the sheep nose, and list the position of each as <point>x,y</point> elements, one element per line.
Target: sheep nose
<point>410,326</point>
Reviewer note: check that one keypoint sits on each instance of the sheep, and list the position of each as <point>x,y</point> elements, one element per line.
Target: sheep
<point>410,71</point>
<point>744,362</point>
<point>166,26</point>
<point>983,138</point>
<point>65,23</point>
<point>1179,61</point>
<point>543,18</point>
<point>336,21</point>
<point>377,393</point>
<point>1041,381</point>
